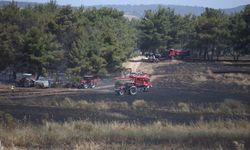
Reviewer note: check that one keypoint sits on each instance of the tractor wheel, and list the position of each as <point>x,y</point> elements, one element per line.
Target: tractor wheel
<point>121,92</point>
<point>133,90</point>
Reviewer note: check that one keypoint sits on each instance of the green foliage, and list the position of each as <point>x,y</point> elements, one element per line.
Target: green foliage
<point>45,38</point>
<point>212,32</point>
<point>156,29</point>
<point>42,50</point>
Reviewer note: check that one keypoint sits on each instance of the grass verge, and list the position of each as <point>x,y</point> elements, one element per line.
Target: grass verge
<point>72,133</point>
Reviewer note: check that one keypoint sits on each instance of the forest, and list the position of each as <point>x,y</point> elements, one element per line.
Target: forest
<point>48,38</point>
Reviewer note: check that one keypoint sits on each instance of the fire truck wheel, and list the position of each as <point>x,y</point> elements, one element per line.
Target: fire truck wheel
<point>132,90</point>
<point>146,89</point>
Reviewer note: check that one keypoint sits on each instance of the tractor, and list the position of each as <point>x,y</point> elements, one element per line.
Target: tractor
<point>176,53</point>
<point>132,84</point>
<point>88,81</point>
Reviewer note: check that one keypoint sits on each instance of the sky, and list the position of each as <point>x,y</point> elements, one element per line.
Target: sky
<point>203,3</point>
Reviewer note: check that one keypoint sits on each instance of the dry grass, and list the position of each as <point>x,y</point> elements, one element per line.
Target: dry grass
<point>83,104</point>
<point>75,132</point>
<point>226,78</point>
<point>140,104</point>
<point>228,107</point>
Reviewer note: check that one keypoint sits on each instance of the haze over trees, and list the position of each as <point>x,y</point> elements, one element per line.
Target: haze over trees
<point>46,38</point>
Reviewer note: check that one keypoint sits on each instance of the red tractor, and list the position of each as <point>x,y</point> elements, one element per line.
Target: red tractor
<point>88,82</point>
<point>176,53</point>
<point>132,84</point>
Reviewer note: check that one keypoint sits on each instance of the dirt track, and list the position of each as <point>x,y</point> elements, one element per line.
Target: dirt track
<point>173,83</point>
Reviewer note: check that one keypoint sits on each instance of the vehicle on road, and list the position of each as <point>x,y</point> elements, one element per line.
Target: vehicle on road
<point>152,57</point>
<point>179,54</point>
<point>132,84</point>
<point>42,82</point>
<point>25,80</point>
<point>88,81</point>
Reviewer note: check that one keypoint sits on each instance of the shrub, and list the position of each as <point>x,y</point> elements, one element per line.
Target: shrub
<point>1,118</point>
<point>54,103</point>
<point>67,102</point>
<point>44,117</point>
<point>183,107</point>
<point>139,104</point>
<point>85,126</point>
<point>83,105</point>
<point>230,106</point>
<point>7,120</point>
<point>101,105</point>
<point>119,105</point>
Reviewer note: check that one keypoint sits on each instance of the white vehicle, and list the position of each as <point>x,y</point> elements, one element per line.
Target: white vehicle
<point>42,82</point>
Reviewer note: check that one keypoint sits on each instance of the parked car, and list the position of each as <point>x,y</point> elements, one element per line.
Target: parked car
<point>42,82</point>
<point>25,80</point>
<point>152,57</point>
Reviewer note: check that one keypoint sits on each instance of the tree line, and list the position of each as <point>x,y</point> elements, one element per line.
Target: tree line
<point>208,36</point>
<point>49,38</point>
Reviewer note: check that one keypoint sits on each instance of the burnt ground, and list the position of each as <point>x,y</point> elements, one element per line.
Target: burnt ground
<point>174,82</point>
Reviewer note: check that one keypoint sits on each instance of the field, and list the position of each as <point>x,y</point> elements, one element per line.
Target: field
<point>192,105</point>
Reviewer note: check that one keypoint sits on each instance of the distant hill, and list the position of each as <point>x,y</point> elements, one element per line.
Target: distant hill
<point>234,10</point>
<point>20,4</point>
<point>138,10</point>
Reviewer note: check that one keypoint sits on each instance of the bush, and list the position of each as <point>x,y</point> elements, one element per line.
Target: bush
<point>67,102</point>
<point>54,103</point>
<point>85,126</point>
<point>7,120</point>
<point>119,105</point>
<point>183,107</point>
<point>139,104</point>
<point>83,105</point>
<point>44,117</point>
<point>230,106</point>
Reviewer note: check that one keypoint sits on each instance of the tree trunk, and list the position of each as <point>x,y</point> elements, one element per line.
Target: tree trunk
<point>237,57</point>
<point>212,55</point>
<point>205,55</point>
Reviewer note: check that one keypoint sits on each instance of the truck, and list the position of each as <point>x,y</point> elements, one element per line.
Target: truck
<point>177,53</point>
<point>88,81</point>
<point>132,84</point>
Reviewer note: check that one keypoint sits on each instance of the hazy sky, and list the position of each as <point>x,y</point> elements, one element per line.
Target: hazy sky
<point>204,3</point>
